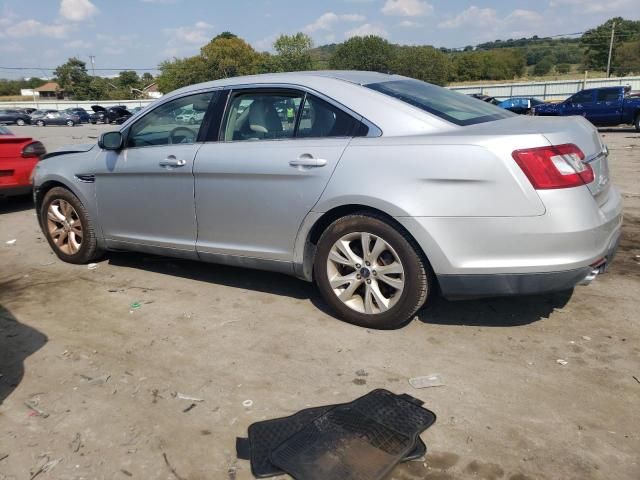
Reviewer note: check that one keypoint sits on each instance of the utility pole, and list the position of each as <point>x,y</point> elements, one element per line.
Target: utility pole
<point>613,29</point>
<point>93,64</point>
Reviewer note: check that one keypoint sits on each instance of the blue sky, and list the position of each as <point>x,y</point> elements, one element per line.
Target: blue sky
<point>141,33</point>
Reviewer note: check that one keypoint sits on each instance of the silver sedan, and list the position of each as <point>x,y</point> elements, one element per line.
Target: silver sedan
<point>382,189</point>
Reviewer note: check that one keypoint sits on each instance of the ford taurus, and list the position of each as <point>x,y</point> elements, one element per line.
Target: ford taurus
<point>382,189</point>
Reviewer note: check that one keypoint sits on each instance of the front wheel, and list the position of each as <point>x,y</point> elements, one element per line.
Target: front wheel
<point>637,123</point>
<point>67,226</point>
<point>70,123</point>
<point>40,123</point>
<point>20,122</point>
<point>370,272</point>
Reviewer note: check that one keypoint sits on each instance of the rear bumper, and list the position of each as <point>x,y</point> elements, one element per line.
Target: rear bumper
<point>14,190</point>
<point>498,285</point>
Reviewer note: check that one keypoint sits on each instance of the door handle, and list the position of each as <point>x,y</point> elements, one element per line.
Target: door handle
<point>308,161</point>
<point>172,162</point>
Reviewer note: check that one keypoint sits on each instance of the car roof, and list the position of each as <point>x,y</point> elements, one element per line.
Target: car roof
<point>351,76</point>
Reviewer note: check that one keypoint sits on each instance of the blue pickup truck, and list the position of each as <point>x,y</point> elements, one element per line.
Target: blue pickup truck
<point>601,106</point>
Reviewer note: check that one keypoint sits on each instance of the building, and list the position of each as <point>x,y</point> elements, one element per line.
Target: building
<point>50,90</point>
<point>151,91</point>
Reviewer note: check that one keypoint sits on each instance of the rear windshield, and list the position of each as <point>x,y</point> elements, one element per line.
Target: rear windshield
<point>446,104</point>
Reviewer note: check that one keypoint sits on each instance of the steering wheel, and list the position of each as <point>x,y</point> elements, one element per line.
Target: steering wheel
<point>189,134</point>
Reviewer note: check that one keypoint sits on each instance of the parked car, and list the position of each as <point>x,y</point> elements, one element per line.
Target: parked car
<point>135,110</point>
<point>26,111</point>
<point>42,118</point>
<point>82,114</point>
<point>8,116</point>
<point>18,157</point>
<point>608,106</point>
<point>485,98</point>
<point>520,105</point>
<point>384,190</point>
<point>188,116</point>
<point>118,114</point>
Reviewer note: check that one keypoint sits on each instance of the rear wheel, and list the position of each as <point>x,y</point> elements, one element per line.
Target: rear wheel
<point>40,123</point>
<point>637,123</point>
<point>371,273</point>
<point>70,123</point>
<point>20,122</point>
<point>67,226</point>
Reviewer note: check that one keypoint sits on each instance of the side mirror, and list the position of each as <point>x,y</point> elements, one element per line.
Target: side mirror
<point>111,141</point>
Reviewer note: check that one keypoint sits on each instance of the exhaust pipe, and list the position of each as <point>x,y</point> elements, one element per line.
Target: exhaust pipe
<point>591,276</point>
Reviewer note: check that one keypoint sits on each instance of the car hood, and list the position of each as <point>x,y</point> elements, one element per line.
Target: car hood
<point>98,108</point>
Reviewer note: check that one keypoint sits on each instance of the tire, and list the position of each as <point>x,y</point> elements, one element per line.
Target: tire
<point>637,123</point>
<point>88,246</point>
<point>70,123</point>
<point>40,123</point>
<point>20,122</point>
<point>399,248</point>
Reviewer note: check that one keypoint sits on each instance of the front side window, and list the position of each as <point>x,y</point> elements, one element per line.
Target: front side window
<point>261,116</point>
<point>451,106</point>
<point>582,97</point>
<point>166,124</point>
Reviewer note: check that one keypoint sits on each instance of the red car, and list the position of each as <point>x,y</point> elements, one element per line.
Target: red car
<point>18,157</point>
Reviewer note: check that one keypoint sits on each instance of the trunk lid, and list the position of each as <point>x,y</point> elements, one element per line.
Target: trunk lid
<point>558,131</point>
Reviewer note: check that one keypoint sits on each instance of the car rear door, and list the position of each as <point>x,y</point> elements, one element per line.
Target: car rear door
<point>145,191</point>
<point>277,150</point>
<point>607,109</point>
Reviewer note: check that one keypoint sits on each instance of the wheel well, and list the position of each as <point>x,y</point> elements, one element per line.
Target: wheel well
<point>334,214</point>
<point>44,188</point>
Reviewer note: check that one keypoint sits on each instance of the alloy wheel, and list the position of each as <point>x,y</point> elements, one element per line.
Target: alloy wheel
<point>365,273</point>
<point>64,226</point>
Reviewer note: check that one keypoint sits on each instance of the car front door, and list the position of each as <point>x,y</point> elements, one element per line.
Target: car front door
<point>145,191</point>
<point>277,150</point>
<point>579,104</point>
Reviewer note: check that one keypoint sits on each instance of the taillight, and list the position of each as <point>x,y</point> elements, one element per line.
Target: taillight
<point>557,166</point>
<point>33,149</point>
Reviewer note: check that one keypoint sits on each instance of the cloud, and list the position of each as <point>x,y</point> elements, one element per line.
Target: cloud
<point>409,24</point>
<point>32,28</point>
<point>480,17</point>
<point>77,10</point>
<point>407,8</point>
<point>367,29</point>
<point>618,7</point>
<point>329,19</point>
<point>197,34</point>
<point>78,44</point>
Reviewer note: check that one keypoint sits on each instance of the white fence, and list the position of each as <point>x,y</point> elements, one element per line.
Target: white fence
<point>555,90</point>
<point>53,104</point>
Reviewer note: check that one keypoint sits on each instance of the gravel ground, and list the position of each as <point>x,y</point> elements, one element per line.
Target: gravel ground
<point>105,377</point>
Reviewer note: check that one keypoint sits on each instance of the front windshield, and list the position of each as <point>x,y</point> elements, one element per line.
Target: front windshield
<point>441,102</point>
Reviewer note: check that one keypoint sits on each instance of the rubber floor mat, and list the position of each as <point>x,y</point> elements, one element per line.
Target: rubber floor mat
<point>267,435</point>
<point>361,440</point>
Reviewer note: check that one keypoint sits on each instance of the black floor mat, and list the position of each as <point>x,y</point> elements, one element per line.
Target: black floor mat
<point>361,440</point>
<point>267,435</point>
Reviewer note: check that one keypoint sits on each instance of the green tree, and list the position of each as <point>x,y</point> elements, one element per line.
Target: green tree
<point>73,78</point>
<point>146,79</point>
<point>181,72</point>
<point>543,67</point>
<point>595,42</point>
<point>363,53</point>
<point>293,52</point>
<point>422,63</point>
<point>627,59</point>
<point>128,79</point>
<point>229,57</point>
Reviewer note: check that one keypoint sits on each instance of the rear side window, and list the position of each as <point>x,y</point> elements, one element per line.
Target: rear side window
<point>608,95</point>
<point>321,119</point>
<point>451,106</point>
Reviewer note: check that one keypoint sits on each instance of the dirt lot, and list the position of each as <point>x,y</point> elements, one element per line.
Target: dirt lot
<point>106,376</point>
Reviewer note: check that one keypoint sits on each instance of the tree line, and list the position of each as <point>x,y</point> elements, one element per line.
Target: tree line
<point>228,55</point>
